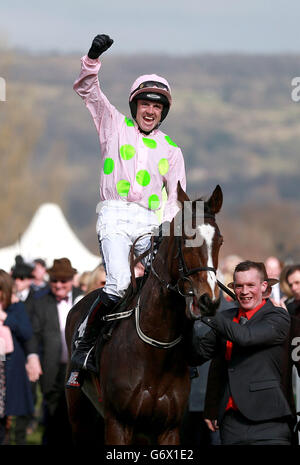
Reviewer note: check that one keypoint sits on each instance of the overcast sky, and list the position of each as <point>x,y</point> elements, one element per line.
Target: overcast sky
<point>153,26</point>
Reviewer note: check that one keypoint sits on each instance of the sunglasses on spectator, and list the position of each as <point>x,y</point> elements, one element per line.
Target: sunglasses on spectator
<point>63,281</point>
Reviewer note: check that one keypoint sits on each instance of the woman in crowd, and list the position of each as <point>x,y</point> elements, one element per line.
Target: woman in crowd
<point>16,390</point>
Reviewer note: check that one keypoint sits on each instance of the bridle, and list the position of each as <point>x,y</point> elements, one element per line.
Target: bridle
<point>184,275</point>
<point>184,271</point>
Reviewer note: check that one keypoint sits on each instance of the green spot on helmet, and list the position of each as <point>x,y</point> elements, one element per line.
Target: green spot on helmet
<point>108,166</point>
<point>143,177</point>
<point>129,121</point>
<point>153,202</point>
<point>163,166</point>
<point>169,140</point>
<point>150,143</point>
<point>123,187</point>
<point>127,151</point>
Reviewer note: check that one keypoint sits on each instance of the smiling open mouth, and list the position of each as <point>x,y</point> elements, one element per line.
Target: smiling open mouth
<point>148,119</point>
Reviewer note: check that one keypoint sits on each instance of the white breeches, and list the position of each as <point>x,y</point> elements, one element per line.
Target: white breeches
<point>119,225</point>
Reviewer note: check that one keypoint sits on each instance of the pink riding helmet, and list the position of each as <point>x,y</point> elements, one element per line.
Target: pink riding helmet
<point>150,87</point>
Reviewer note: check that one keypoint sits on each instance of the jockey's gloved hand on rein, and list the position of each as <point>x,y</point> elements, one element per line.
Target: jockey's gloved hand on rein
<point>99,45</point>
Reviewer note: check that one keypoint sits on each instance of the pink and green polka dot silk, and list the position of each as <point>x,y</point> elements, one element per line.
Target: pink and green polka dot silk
<point>134,166</point>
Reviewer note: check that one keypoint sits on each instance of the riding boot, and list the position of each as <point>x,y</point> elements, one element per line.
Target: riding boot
<point>80,359</point>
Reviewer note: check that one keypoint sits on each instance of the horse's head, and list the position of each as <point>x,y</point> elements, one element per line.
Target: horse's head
<point>196,244</point>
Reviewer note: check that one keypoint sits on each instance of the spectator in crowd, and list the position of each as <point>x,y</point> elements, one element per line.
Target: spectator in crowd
<point>91,280</point>
<point>84,281</point>
<point>248,345</point>
<point>97,279</point>
<point>22,274</point>
<point>48,351</point>
<point>274,268</point>
<point>227,267</point>
<point>292,277</point>
<point>284,285</point>
<point>40,281</point>
<point>18,395</point>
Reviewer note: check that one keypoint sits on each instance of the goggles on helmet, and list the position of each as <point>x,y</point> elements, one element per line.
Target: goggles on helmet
<point>149,84</point>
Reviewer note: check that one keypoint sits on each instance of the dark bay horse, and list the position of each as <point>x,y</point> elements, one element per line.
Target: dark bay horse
<point>144,381</point>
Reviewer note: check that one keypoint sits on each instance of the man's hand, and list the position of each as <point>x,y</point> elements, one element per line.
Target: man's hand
<point>33,367</point>
<point>212,425</point>
<point>99,45</point>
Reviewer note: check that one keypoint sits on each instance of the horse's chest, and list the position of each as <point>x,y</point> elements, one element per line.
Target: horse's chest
<point>156,405</point>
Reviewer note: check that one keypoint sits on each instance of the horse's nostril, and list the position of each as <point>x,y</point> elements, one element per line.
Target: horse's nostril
<point>205,300</point>
<point>207,306</point>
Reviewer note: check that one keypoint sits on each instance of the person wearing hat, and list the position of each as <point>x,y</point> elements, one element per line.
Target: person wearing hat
<point>138,159</point>
<point>246,399</point>
<point>22,274</point>
<point>48,351</point>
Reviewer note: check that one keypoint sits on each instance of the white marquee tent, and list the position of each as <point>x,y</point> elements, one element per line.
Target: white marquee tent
<point>49,236</point>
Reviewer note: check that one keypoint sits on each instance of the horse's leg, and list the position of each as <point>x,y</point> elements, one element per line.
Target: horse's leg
<point>169,438</point>
<point>117,434</point>
<point>87,425</point>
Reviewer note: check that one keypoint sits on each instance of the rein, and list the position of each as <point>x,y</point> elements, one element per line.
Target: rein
<point>184,273</point>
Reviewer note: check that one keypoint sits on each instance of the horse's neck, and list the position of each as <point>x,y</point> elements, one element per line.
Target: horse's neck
<point>161,312</point>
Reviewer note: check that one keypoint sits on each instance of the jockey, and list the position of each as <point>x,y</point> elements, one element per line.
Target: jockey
<point>138,159</point>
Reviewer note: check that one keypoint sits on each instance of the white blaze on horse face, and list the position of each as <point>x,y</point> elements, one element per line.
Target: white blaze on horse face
<point>207,232</point>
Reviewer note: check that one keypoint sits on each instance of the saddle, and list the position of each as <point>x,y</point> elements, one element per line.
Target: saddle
<point>109,321</point>
<point>121,309</point>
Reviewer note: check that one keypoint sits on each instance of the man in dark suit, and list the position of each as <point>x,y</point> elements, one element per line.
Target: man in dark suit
<point>48,350</point>
<point>293,307</point>
<point>248,346</point>
<point>194,430</point>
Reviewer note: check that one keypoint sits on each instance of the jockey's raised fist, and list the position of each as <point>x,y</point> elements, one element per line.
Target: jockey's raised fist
<point>99,45</point>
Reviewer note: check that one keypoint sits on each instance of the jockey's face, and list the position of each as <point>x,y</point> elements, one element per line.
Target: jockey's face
<point>61,288</point>
<point>148,114</point>
<point>249,288</point>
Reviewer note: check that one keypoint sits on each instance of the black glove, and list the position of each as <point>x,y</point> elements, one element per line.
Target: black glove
<point>99,45</point>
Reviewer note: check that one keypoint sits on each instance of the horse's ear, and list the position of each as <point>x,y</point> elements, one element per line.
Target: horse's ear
<point>181,195</point>
<point>216,200</point>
